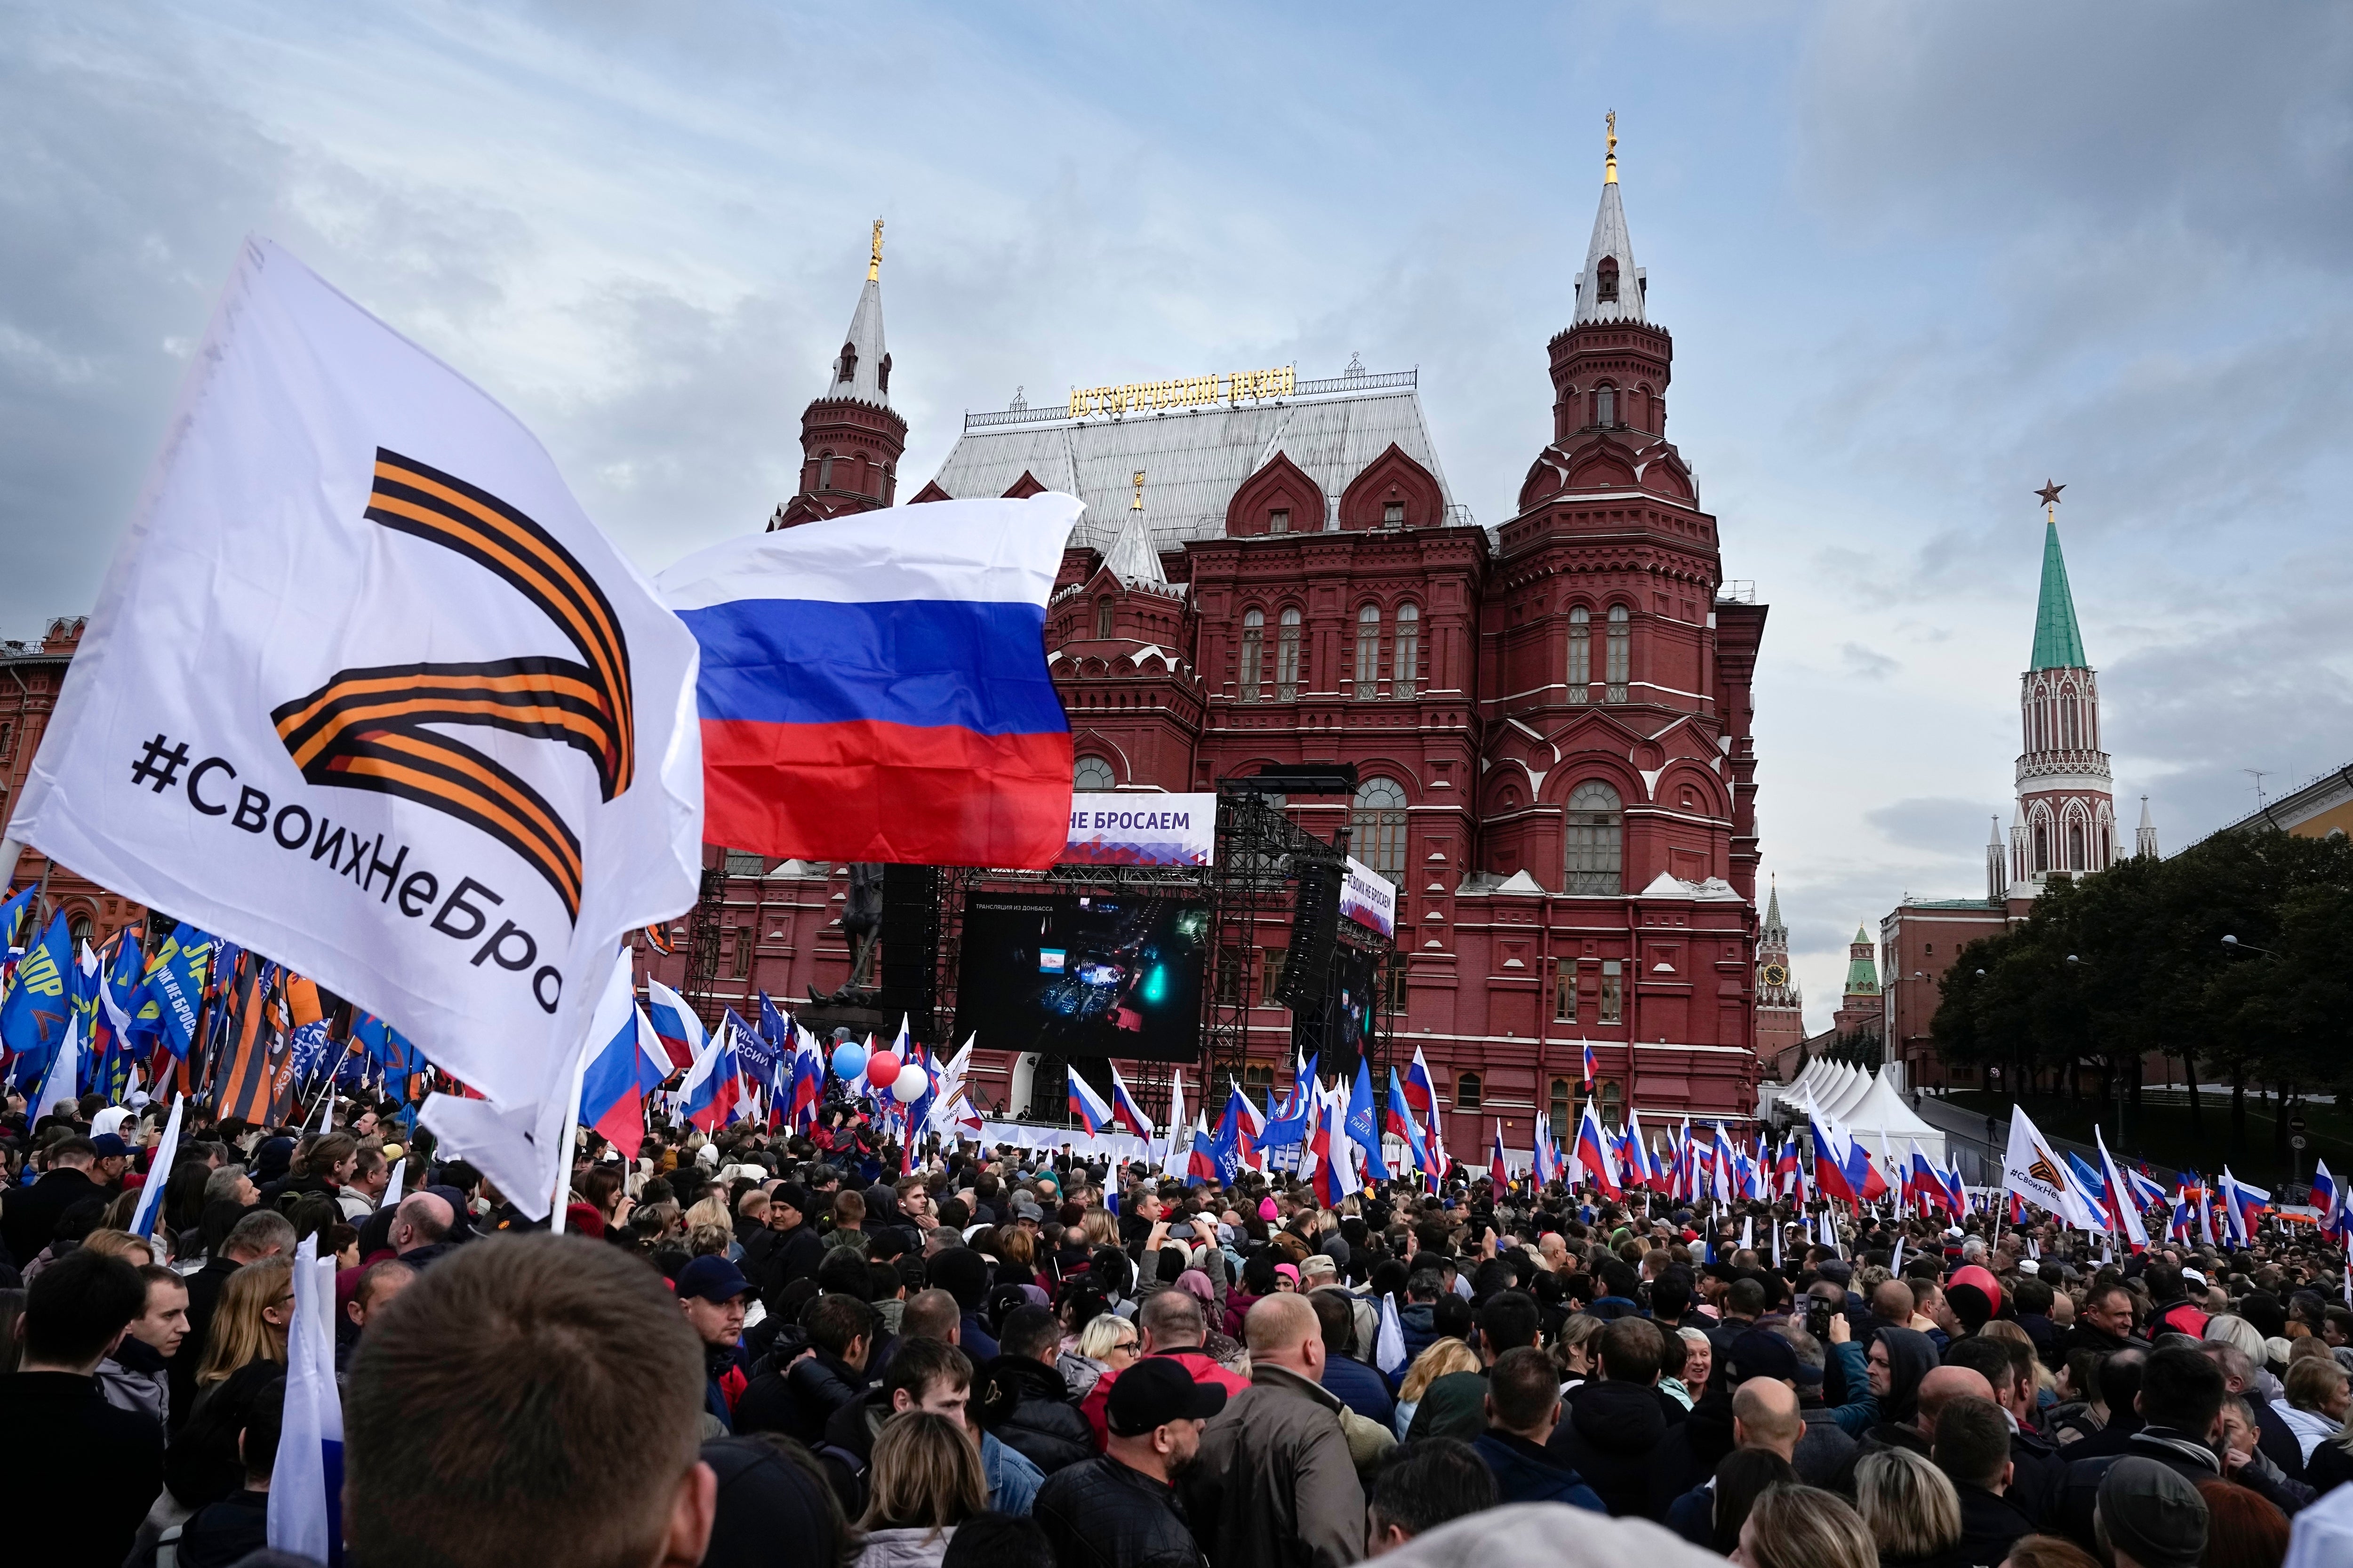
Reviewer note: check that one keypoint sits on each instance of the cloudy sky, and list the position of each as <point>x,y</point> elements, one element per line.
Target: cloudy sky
<point>1916,260</point>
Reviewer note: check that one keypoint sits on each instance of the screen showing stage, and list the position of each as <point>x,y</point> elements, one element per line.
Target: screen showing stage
<point>1083,975</point>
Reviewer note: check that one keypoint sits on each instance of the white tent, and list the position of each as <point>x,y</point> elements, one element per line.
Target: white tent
<point>1879,1117</point>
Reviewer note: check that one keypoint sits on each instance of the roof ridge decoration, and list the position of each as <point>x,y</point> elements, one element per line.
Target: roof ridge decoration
<point>2058,638</point>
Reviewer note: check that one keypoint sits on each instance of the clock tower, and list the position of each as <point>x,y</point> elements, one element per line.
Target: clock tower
<point>1780,1008</point>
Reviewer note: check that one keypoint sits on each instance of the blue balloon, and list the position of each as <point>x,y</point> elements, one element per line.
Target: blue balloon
<point>848,1060</point>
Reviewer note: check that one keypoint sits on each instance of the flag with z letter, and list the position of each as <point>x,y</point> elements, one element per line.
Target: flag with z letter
<point>365,690</point>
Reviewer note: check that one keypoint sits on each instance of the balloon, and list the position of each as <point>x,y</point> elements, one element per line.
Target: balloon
<point>848,1058</point>
<point>881,1068</point>
<point>909,1086</point>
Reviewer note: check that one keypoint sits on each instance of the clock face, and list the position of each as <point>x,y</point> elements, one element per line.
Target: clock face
<point>1776,975</point>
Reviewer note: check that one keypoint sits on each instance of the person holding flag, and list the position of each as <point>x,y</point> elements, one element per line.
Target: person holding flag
<point>1499,1171</point>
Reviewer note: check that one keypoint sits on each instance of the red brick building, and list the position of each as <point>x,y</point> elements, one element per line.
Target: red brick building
<point>30,675</point>
<point>1550,718</point>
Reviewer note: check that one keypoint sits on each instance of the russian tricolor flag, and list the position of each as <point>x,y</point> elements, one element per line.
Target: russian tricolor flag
<point>1092,1110</point>
<point>613,1092</point>
<point>874,686</point>
<point>675,1025</point>
<point>1593,1154</point>
<point>714,1088</point>
<point>1420,1089</point>
<point>1125,1109</point>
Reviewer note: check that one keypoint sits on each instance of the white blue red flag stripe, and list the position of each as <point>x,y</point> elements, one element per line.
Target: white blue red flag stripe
<point>874,686</point>
<point>1092,1110</point>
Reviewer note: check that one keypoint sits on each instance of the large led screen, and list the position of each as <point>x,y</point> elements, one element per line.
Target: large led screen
<point>1083,975</point>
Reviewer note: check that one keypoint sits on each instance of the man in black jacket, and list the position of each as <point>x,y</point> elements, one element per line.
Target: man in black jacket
<point>1616,1422</point>
<point>87,1467</point>
<point>1024,1401</point>
<point>797,1394</point>
<point>2180,1406</point>
<point>28,1218</point>
<point>790,1248</point>
<point>1972,1447</point>
<point>1120,1510</point>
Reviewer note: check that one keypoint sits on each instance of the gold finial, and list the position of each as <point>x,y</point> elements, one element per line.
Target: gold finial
<point>875,266</point>
<point>2049,495</point>
<point>1609,163</point>
<point>1137,504</point>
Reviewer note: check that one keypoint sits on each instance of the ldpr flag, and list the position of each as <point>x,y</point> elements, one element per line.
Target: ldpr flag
<point>877,690</point>
<point>365,690</point>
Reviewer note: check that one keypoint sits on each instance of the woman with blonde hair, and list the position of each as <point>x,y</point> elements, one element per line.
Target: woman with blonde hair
<point>1803,1527</point>
<point>257,1302</point>
<point>1909,1505</point>
<point>119,1244</point>
<point>1099,1227</point>
<point>1441,1356</point>
<point>927,1480</point>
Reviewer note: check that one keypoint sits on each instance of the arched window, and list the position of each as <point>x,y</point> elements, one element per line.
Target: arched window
<point>1102,616</point>
<point>825,470</point>
<point>1407,665</point>
<point>1604,282</point>
<point>1286,657</point>
<point>2042,847</point>
<point>848,363</point>
<point>1376,827</point>
<point>882,374</point>
<point>1605,406</point>
<point>1253,651</point>
<point>1092,775</point>
<point>1560,1108</point>
<point>79,932</point>
<point>1368,649</point>
<point>2075,847</point>
<point>1466,1091</point>
<point>1595,838</point>
<point>1613,1096</point>
<point>1621,653</point>
<point>1580,654</point>
<point>1257,1079</point>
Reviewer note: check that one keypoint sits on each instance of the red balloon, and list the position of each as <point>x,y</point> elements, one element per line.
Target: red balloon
<point>881,1068</point>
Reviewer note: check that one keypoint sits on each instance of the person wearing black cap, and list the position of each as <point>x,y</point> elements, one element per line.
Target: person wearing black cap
<point>787,1248</point>
<point>711,1293</point>
<point>1120,1509</point>
<point>2149,1516</point>
<point>771,1507</point>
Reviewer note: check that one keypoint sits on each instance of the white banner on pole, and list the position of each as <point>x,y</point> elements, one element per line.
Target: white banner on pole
<point>365,691</point>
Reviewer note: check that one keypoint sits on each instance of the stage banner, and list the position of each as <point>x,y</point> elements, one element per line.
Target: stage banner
<point>1368,899</point>
<point>1142,830</point>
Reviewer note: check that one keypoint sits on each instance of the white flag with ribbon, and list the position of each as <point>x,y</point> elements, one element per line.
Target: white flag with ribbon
<point>365,690</point>
<point>2036,1173</point>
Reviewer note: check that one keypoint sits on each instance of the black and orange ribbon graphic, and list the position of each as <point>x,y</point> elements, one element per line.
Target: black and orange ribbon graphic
<point>370,729</point>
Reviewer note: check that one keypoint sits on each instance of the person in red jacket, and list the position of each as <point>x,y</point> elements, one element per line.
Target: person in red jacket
<point>1168,1324</point>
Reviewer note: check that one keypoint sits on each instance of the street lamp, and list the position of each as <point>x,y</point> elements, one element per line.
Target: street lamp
<point>2235,945</point>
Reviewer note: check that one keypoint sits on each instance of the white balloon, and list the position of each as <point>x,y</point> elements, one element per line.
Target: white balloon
<point>909,1086</point>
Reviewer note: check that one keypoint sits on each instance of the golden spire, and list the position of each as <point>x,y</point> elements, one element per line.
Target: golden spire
<point>1137,504</point>
<point>1609,164</point>
<point>875,266</point>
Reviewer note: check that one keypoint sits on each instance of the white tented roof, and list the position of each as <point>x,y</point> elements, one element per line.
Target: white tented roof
<point>1194,459</point>
<point>1881,1115</point>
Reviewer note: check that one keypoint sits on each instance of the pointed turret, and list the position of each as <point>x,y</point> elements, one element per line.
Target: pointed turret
<point>1773,925</point>
<point>1133,556</point>
<point>851,437</point>
<point>1610,287</point>
<point>1997,865</point>
<point>2145,836</point>
<point>862,369</point>
<point>2058,640</point>
<point>1862,965</point>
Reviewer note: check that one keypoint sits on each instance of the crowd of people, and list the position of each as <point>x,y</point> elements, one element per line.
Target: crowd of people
<point>760,1348</point>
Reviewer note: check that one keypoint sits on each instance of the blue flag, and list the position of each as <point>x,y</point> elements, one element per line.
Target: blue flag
<point>13,913</point>
<point>33,1019</point>
<point>1363,1123</point>
<point>165,1005</point>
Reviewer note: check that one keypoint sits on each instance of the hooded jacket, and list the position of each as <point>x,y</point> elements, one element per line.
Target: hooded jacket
<point>1027,1405</point>
<point>137,1378</point>
<point>1527,1473</point>
<point>1611,1431</point>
